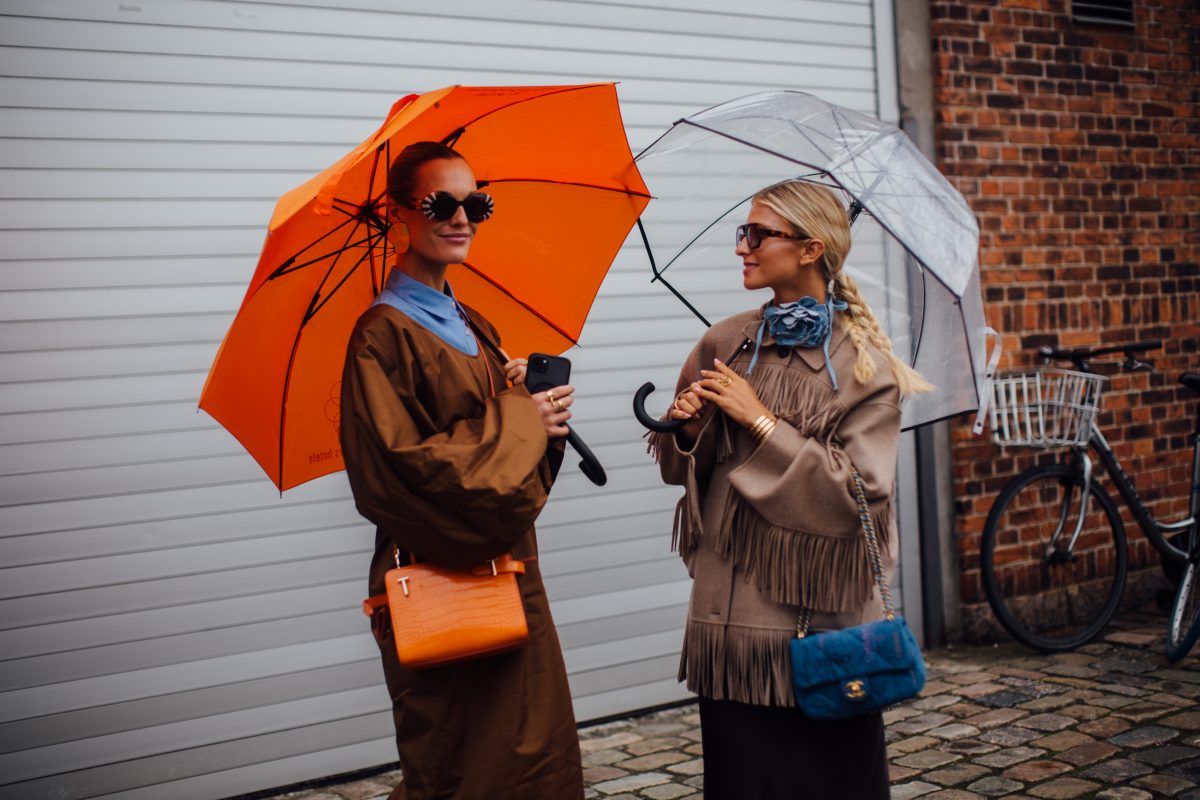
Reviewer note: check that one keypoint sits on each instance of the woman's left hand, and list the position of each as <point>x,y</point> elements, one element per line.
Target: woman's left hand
<point>555,407</point>
<point>731,393</point>
<point>515,370</point>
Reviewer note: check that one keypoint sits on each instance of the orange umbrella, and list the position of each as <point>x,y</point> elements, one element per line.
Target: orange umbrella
<point>557,162</point>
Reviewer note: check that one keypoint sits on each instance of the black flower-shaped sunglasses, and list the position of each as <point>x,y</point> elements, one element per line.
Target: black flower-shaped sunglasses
<point>441,206</point>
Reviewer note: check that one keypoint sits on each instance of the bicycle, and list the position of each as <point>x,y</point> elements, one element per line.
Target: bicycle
<point>1054,556</point>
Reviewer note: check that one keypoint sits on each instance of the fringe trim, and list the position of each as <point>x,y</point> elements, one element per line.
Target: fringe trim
<point>686,528</point>
<point>687,525</point>
<point>790,566</point>
<point>655,444</point>
<point>797,568</point>
<point>747,665</point>
<point>724,438</point>
<point>808,405</point>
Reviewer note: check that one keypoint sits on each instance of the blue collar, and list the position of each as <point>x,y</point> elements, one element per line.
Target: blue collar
<point>438,313</point>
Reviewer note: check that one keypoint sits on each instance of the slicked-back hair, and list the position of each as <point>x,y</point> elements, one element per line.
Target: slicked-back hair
<point>402,174</point>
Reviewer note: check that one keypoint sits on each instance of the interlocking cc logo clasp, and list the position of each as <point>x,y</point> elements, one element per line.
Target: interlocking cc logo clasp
<point>855,690</point>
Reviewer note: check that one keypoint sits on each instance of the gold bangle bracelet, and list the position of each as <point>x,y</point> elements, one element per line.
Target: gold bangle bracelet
<point>763,426</point>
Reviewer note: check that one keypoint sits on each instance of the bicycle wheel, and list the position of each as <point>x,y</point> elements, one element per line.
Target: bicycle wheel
<point>1183,627</point>
<point>1048,599</point>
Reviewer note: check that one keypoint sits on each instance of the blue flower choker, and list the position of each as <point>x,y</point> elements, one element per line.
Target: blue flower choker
<point>802,323</point>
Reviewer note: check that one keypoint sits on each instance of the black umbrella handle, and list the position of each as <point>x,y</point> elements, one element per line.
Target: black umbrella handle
<point>590,465</point>
<point>639,411</point>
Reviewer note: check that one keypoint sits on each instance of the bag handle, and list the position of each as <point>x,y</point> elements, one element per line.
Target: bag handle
<point>481,337</point>
<point>885,592</point>
<point>495,566</point>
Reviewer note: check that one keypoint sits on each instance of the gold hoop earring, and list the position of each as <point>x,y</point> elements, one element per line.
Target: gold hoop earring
<point>397,235</point>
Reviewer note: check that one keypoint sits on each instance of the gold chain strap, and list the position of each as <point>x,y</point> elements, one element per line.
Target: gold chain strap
<point>885,592</point>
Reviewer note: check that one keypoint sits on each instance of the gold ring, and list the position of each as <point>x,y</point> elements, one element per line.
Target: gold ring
<point>558,406</point>
<point>725,380</point>
<point>550,395</point>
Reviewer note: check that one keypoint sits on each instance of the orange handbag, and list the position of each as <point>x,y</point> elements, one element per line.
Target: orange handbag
<point>440,616</point>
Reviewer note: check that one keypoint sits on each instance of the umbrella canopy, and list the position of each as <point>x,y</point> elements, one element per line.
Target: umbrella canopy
<point>915,240</point>
<point>557,162</point>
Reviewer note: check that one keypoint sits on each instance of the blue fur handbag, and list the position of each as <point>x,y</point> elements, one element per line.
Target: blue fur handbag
<point>839,674</point>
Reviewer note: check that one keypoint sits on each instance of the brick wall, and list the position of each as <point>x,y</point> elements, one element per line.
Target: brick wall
<point>1078,147</point>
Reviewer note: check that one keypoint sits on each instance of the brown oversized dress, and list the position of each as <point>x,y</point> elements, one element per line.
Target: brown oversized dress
<point>457,476</point>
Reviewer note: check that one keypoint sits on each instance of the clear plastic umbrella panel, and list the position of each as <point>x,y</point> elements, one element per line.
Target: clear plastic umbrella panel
<point>915,240</point>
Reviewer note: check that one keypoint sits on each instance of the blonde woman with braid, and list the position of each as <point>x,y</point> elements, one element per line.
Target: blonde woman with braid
<point>778,403</point>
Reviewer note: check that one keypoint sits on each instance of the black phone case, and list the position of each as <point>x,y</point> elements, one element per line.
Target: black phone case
<point>556,373</point>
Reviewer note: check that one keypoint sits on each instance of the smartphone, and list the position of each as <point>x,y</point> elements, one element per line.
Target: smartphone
<point>546,372</point>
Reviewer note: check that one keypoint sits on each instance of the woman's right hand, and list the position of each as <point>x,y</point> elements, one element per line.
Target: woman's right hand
<point>554,406</point>
<point>690,408</point>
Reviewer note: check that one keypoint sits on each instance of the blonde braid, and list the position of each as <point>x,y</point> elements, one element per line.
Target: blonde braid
<point>856,326</point>
<point>862,326</point>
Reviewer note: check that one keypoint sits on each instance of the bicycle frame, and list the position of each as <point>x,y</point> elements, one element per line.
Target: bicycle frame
<point>1154,530</point>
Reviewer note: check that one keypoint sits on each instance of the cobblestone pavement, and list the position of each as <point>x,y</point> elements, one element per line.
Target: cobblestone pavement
<point>1113,720</point>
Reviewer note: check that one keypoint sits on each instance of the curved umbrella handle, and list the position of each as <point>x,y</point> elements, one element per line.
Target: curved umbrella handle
<point>639,411</point>
<point>590,465</point>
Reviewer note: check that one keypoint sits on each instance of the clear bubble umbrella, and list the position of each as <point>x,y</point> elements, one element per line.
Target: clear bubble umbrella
<point>915,240</point>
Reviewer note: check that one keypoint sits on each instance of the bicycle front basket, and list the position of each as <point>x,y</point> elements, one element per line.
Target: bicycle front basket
<point>1048,408</point>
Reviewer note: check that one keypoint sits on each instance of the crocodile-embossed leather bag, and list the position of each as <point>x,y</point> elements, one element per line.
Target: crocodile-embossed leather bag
<point>843,673</point>
<point>439,616</point>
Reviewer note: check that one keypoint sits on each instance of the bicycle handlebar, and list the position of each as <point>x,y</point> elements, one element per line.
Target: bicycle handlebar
<point>1080,356</point>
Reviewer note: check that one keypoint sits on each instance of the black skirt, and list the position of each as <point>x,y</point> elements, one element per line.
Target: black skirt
<point>771,753</point>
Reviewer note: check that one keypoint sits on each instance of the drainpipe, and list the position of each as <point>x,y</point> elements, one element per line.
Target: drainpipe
<point>935,488</point>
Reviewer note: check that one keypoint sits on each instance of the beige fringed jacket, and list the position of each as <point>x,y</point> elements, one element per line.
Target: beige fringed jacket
<point>766,528</point>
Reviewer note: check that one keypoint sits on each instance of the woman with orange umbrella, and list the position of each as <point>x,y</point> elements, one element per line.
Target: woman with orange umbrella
<point>453,466</point>
<point>540,149</point>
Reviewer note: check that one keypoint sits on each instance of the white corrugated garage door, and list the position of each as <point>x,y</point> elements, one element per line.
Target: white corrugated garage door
<point>168,625</point>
